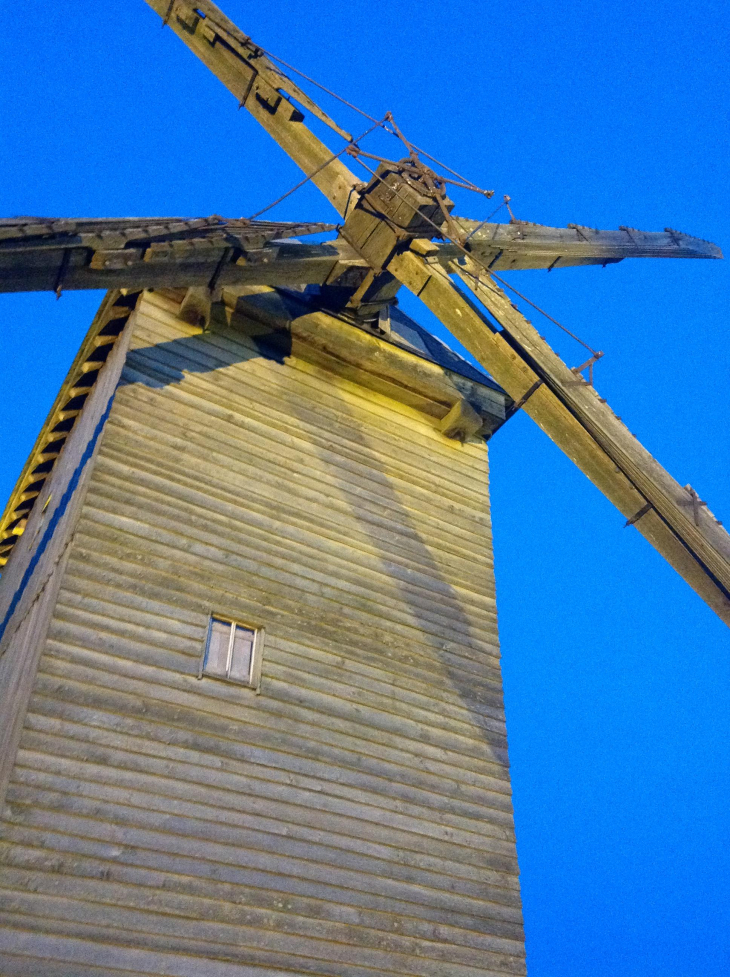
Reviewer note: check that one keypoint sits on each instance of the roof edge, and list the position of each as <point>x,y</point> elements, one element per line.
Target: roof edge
<point>105,329</point>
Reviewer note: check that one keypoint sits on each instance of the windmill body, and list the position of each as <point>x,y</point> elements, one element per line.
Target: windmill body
<point>291,473</point>
<point>250,693</point>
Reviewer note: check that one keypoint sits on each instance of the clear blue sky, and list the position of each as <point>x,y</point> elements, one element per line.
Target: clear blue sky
<point>616,674</point>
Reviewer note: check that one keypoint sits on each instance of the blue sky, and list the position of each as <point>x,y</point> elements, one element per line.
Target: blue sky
<point>616,674</point>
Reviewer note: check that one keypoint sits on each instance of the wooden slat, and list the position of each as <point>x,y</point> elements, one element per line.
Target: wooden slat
<point>122,596</point>
<point>218,700</point>
<point>551,412</point>
<point>353,818</point>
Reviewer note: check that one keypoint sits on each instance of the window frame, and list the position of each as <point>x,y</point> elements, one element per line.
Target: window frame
<point>257,648</point>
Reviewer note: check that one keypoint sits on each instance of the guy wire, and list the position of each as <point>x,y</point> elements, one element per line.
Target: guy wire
<point>367,115</point>
<point>397,133</point>
<point>314,172</point>
<point>476,259</point>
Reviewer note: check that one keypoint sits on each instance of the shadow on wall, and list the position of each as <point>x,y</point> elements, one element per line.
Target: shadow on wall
<point>482,697</point>
<point>482,713</point>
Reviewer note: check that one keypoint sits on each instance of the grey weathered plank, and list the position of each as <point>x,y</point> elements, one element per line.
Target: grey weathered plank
<point>341,779</point>
<point>92,574</point>
<point>367,785</point>
<point>166,776</point>
<point>446,616</point>
<point>202,840</point>
<point>187,873</point>
<point>154,794</point>
<point>338,412</point>
<point>362,747</point>
<point>357,670</point>
<point>48,851</point>
<point>358,928</point>
<point>325,611</point>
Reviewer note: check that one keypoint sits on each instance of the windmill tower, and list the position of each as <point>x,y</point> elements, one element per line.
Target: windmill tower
<point>251,704</point>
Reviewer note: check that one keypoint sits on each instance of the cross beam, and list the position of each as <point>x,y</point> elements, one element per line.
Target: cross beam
<point>561,403</point>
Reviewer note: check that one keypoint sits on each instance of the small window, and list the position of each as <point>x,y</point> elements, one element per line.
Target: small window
<point>233,651</point>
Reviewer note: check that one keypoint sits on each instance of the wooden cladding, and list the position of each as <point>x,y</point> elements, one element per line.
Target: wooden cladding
<point>355,817</point>
<point>105,330</point>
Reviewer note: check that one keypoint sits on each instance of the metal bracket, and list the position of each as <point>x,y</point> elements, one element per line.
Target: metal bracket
<point>519,404</point>
<point>589,364</point>
<point>635,518</point>
<point>696,502</point>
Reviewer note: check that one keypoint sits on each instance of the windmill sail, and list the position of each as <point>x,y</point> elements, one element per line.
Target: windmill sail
<point>375,253</point>
<point>521,244</point>
<point>39,254</point>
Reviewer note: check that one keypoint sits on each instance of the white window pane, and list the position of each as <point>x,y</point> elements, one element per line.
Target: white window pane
<point>216,657</point>
<point>242,651</point>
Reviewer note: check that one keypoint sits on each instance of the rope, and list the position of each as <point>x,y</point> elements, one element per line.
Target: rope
<point>366,115</point>
<point>314,173</point>
<point>476,259</point>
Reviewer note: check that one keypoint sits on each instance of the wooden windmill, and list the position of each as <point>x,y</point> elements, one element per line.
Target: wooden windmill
<point>261,477</point>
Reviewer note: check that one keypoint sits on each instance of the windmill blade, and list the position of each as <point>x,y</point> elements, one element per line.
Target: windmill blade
<point>388,245</point>
<point>570,412</point>
<point>220,29</point>
<point>521,244</point>
<point>47,254</point>
<point>261,88</point>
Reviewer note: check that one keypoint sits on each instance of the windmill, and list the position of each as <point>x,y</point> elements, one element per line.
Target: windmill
<point>398,230</point>
<point>400,201</point>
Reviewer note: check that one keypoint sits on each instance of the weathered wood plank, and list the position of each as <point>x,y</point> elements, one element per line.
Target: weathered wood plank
<point>184,773</point>
<point>48,851</point>
<point>324,608</point>
<point>261,835</point>
<point>463,667</point>
<point>269,728</point>
<point>183,873</point>
<point>363,478</point>
<point>226,757</point>
<point>277,414</point>
<point>30,583</point>
<point>92,592</point>
<point>356,816</point>
<point>150,931</point>
<point>369,532</point>
<point>188,898</point>
<point>187,694</point>
<point>316,391</point>
<point>230,940</point>
<point>353,676</point>
<point>217,843</point>
<point>470,679</point>
<point>444,615</point>
<point>313,385</point>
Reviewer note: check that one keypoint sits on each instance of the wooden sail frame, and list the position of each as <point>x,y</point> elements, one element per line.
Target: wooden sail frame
<point>389,245</point>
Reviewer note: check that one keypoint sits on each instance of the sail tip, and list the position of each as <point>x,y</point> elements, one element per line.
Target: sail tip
<point>702,247</point>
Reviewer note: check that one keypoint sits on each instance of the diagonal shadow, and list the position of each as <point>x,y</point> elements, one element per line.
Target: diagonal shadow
<point>275,343</point>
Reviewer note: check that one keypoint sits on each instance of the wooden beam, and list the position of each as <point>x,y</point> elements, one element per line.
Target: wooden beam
<point>258,86</point>
<point>704,536</point>
<point>522,244</point>
<point>423,275</point>
<point>71,267</point>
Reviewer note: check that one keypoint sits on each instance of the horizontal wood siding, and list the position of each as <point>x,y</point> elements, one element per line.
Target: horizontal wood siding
<point>355,817</point>
<point>31,579</point>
